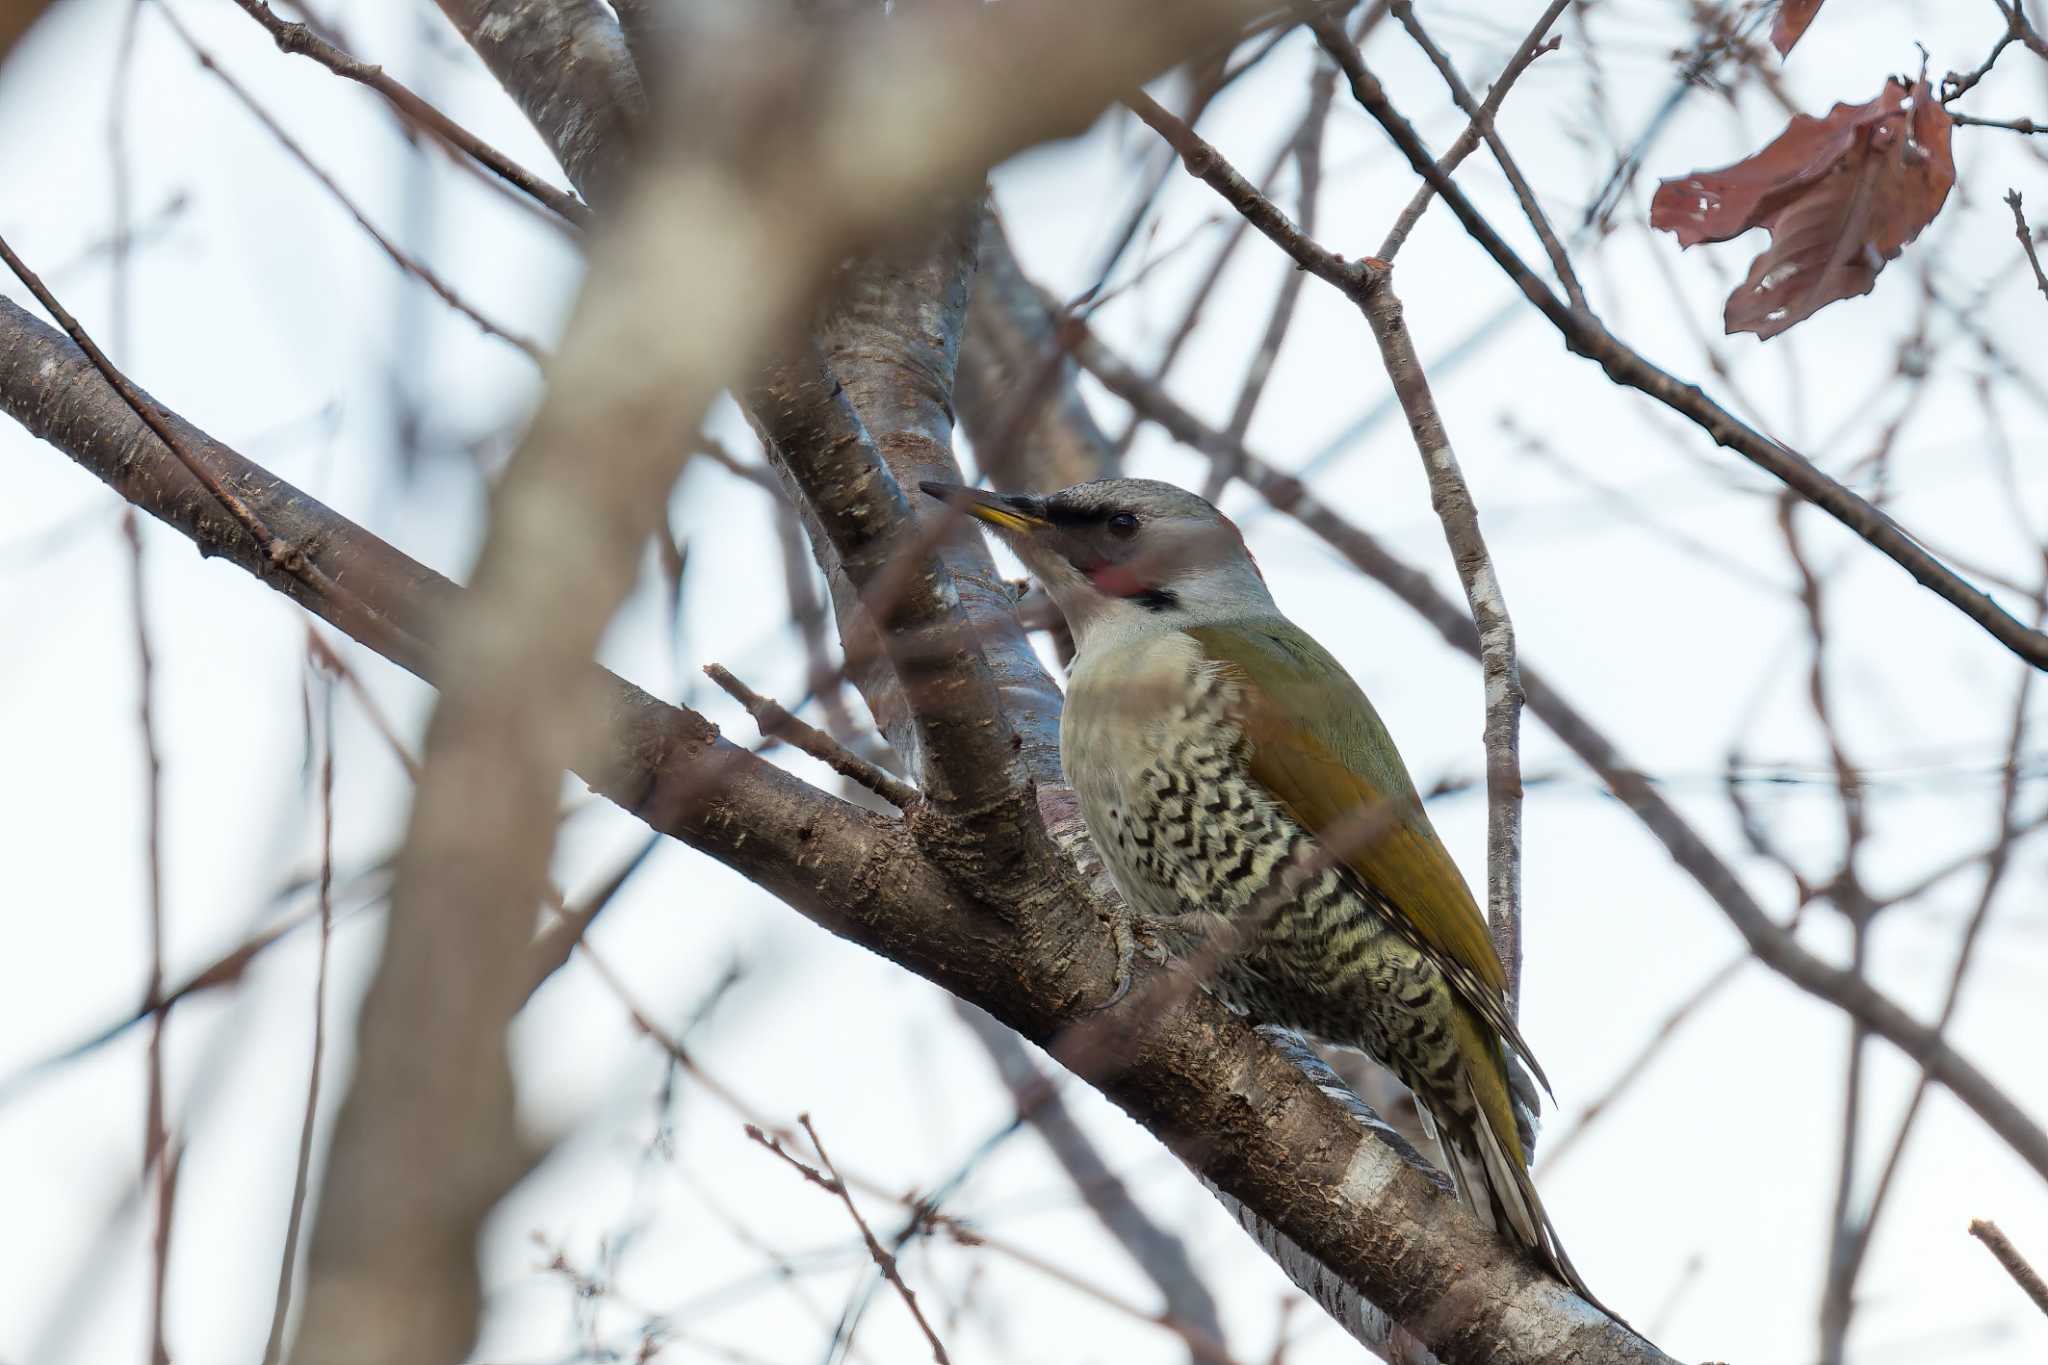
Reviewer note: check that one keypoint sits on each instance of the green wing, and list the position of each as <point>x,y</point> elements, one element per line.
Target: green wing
<point>1321,750</point>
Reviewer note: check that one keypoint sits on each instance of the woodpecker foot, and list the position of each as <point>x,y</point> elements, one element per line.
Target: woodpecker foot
<point>1132,935</point>
<point>1123,933</point>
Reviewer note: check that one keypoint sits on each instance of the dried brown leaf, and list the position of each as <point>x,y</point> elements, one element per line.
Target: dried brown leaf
<point>1840,196</point>
<point>1793,17</point>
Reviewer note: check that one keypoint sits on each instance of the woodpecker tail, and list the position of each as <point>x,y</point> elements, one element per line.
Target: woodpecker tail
<point>1494,1184</point>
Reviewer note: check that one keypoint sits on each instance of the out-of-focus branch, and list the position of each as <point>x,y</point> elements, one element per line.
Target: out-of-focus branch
<point>1587,336</point>
<point>301,39</point>
<point>2026,236</point>
<point>1369,286</point>
<point>2024,1275</point>
<point>1015,391</point>
<point>1160,1255</point>
<point>742,197</point>
<point>1533,46</point>
<point>15,18</point>
<point>565,63</point>
<point>1772,944</point>
<point>1306,1175</point>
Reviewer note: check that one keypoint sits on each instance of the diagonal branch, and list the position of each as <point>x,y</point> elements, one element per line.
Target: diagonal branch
<point>301,39</point>
<point>1586,336</point>
<point>1769,941</point>
<point>1307,1176</point>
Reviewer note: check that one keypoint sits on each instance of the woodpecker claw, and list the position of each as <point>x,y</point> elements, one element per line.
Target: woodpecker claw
<point>1122,933</point>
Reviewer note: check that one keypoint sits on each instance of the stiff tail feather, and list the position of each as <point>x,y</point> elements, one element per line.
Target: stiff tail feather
<point>1495,1186</point>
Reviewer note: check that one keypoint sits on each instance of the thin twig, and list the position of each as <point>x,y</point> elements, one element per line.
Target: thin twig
<point>1451,497</point>
<point>2011,125</point>
<point>2023,1274</point>
<point>1483,120</point>
<point>155,1135</point>
<point>1307,150</point>
<point>2026,236</point>
<point>273,1350</point>
<point>883,1258</point>
<point>405,261</point>
<point>277,551</point>
<point>1533,46</point>
<point>1208,1348</point>
<point>1160,1254</point>
<point>301,39</point>
<point>1587,336</point>
<point>1366,284</point>
<point>778,723</point>
<point>1191,312</point>
<point>155,1138</point>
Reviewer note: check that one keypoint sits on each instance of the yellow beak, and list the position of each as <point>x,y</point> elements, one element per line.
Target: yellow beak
<point>1017,514</point>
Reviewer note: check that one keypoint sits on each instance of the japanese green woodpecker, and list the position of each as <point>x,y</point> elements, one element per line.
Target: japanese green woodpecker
<point>1237,781</point>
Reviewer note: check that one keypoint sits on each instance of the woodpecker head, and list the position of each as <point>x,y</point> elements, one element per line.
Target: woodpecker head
<point>1124,553</point>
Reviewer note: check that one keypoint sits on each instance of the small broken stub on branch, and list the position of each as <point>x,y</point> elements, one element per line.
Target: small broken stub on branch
<point>1840,196</point>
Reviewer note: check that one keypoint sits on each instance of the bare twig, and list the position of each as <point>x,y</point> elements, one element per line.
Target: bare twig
<point>2011,125</point>
<point>1159,1254</point>
<point>1533,46</point>
<point>1483,120</point>
<point>2026,236</point>
<point>778,723</point>
<point>1586,336</point>
<point>883,1258</point>
<point>273,1349</point>
<point>1452,498</point>
<point>2023,1274</point>
<point>1771,942</point>
<point>400,257</point>
<point>155,1137</point>
<point>1307,149</point>
<point>301,39</point>
<point>775,1140</point>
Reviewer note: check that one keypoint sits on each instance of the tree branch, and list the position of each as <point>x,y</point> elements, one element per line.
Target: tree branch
<point>1345,1211</point>
<point>1770,942</point>
<point>301,39</point>
<point>1586,336</point>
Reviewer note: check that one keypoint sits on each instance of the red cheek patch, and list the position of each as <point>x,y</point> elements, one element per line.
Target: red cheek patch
<point>1117,580</point>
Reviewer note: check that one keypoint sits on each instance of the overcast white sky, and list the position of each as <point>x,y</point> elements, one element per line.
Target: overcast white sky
<point>1698,1207</point>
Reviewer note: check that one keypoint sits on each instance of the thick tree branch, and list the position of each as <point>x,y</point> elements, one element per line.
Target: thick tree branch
<point>750,183</point>
<point>1158,1254</point>
<point>1007,372</point>
<point>1772,943</point>
<point>565,63</point>
<point>1240,1114</point>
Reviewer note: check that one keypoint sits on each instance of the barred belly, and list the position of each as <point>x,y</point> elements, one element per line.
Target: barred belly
<point>1195,845</point>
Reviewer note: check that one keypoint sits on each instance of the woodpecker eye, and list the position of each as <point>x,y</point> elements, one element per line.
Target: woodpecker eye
<point>1124,525</point>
